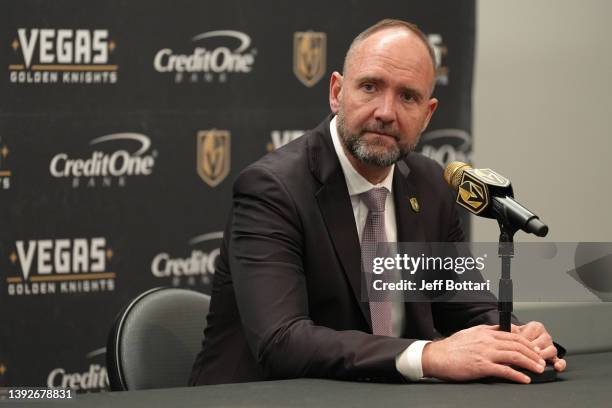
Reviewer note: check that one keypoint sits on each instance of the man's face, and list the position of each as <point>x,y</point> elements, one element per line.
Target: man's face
<point>383,101</point>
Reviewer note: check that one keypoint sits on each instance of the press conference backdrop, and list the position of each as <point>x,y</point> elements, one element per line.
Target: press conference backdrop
<point>122,127</point>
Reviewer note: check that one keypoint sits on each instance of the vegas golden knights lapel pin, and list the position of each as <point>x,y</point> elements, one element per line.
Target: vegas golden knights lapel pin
<point>414,203</point>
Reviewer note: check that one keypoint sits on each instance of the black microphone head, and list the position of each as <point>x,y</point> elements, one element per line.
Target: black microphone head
<point>536,227</point>
<point>453,173</point>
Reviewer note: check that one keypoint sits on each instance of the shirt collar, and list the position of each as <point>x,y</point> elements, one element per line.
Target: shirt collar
<point>355,182</point>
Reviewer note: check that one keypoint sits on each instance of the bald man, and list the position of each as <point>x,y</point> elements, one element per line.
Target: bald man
<point>286,297</point>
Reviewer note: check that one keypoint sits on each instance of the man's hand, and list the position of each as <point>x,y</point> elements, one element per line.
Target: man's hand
<point>482,351</point>
<point>537,334</point>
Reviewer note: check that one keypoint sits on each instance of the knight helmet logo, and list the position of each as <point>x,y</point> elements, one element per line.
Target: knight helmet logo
<point>473,194</point>
<point>309,56</point>
<point>213,155</point>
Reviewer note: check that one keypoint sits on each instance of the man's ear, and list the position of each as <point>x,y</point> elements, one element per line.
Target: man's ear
<point>432,104</point>
<point>335,90</point>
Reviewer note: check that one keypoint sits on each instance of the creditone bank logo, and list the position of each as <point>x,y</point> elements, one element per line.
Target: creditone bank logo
<point>447,145</point>
<point>196,267</point>
<point>93,379</point>
<point>215,55</point>
<point>67,56</point>
<point>109,167</point>
<point>440,52</point>
<point>60,266</point>
<point>279,138</point>
<point>5,172</point>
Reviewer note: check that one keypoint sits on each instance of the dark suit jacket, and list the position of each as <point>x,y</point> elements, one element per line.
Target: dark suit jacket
<point>286,292</point>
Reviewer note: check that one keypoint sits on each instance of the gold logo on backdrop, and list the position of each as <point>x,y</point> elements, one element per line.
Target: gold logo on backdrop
<point>213,155</point>
<point>5,174</point>
<point>309,56</point>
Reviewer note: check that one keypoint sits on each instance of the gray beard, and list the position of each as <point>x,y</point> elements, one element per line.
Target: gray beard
<point>363,152</point>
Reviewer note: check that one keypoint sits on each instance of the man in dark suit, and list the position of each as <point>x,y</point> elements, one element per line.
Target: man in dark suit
<point>286,297</point>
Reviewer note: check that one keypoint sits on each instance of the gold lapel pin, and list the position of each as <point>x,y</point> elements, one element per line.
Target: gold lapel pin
<point>414,203</point>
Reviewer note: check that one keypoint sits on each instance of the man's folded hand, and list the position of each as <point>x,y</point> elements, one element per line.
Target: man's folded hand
<point>484,351</point>
<point>537,334</point>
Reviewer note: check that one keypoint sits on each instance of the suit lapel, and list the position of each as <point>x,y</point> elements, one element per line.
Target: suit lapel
<point>410,228</point>
<point>335,206</point>
<point>409,224</point>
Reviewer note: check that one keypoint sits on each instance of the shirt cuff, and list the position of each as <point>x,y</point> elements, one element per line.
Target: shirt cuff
<point>408,362</point>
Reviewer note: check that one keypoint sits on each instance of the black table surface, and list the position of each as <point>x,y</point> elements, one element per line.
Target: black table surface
<point>587,382</point>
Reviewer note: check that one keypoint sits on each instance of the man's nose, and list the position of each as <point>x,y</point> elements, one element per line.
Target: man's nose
<point>385,110</point>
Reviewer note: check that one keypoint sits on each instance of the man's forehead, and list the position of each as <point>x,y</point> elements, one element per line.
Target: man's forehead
<point>393,43</point>
<point>388,37</point>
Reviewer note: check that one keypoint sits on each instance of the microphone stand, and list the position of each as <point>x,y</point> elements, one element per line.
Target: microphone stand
<point>506,295</point>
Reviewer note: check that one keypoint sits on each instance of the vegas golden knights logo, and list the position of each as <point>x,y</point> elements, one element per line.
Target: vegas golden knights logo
<point>213,155</point>
<point>472,194</point>
<point>309,56</point>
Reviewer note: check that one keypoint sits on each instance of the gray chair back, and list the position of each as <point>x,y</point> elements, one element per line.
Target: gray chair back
<point>156,338</point>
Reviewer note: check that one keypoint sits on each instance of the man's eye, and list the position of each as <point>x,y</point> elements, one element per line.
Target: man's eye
<point>408,96</point>
<point>368,87</point>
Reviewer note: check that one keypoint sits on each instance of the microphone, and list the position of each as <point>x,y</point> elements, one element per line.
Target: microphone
<point>486,193</point>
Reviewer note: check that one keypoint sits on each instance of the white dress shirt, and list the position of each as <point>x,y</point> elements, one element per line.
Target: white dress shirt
<point>408,363</point>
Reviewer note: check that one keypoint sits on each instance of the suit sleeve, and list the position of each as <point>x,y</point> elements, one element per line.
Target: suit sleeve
<point>266,260</point>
